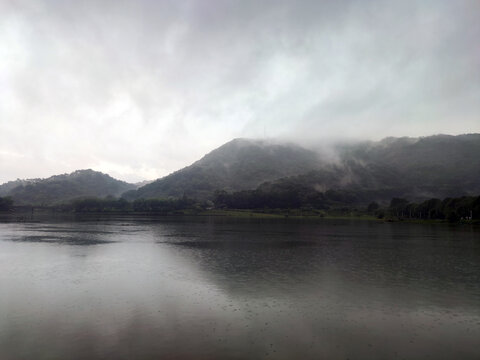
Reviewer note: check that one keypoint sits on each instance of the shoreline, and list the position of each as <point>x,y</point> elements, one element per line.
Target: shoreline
<point>24,216</point>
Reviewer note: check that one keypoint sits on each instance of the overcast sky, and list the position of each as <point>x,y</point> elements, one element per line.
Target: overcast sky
<point>139,89</point>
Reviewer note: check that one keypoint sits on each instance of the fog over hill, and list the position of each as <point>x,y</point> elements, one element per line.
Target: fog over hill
<point>351,172</point>
<point>418,168</point>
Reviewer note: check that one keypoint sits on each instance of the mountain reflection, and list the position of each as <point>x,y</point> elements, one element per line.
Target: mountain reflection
<point>264,258</point>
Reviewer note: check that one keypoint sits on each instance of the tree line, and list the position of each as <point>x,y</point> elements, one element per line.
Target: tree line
<point>111,204</point>
<point>451,209</point>
<point>288,197</point>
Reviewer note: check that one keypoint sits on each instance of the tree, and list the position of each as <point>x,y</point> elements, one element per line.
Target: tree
<point>6,203</point>
<point>398,206</point>
<point>372,206</point>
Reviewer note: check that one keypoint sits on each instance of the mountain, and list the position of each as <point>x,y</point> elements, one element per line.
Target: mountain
<point>416,168</point>
<point>62,188</point>
<point>238,165</point>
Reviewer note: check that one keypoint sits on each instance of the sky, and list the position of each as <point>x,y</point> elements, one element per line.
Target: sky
<point>139,89</point>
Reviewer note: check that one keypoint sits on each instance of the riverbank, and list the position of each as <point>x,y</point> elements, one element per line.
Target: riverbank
<point>46,213</point>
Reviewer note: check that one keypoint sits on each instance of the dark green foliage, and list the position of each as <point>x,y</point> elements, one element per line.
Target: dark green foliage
<point>6,203</point>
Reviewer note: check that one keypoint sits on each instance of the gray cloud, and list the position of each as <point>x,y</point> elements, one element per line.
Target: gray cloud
<point>141,88</point>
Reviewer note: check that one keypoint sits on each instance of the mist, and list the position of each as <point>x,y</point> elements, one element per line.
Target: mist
<point>140,89</point>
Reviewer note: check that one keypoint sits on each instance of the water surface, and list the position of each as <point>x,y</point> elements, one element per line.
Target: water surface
<point>224,288</point>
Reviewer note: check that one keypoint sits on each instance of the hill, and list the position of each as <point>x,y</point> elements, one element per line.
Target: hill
<point>416,168</point>
<point>62,188</point>
<point>238,165</point>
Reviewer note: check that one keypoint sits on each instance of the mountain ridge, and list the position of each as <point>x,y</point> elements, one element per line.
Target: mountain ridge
<point>416,168</point>
<point>432,166</point>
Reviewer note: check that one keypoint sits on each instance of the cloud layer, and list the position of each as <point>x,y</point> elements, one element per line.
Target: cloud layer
<point>141,88</point>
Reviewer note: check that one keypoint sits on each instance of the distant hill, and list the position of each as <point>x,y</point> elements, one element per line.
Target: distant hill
<point>416,168</point>
<point>62,188</point>
<point>142,183</point>
<point>10,185</point>
<point>238,165</point>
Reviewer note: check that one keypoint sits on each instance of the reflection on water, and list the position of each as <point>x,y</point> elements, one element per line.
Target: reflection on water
<point>219,288</point>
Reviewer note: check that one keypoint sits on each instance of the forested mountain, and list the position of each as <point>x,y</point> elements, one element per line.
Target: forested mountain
<point>416,168</point>
<point>435,163</point>
<point>62,188</point>
<point>238,165</point>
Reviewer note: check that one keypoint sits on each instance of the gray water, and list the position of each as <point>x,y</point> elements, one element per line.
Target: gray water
<point>223,288</point>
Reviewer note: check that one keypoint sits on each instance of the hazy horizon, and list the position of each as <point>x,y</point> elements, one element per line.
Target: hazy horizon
<point>141,89</point>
